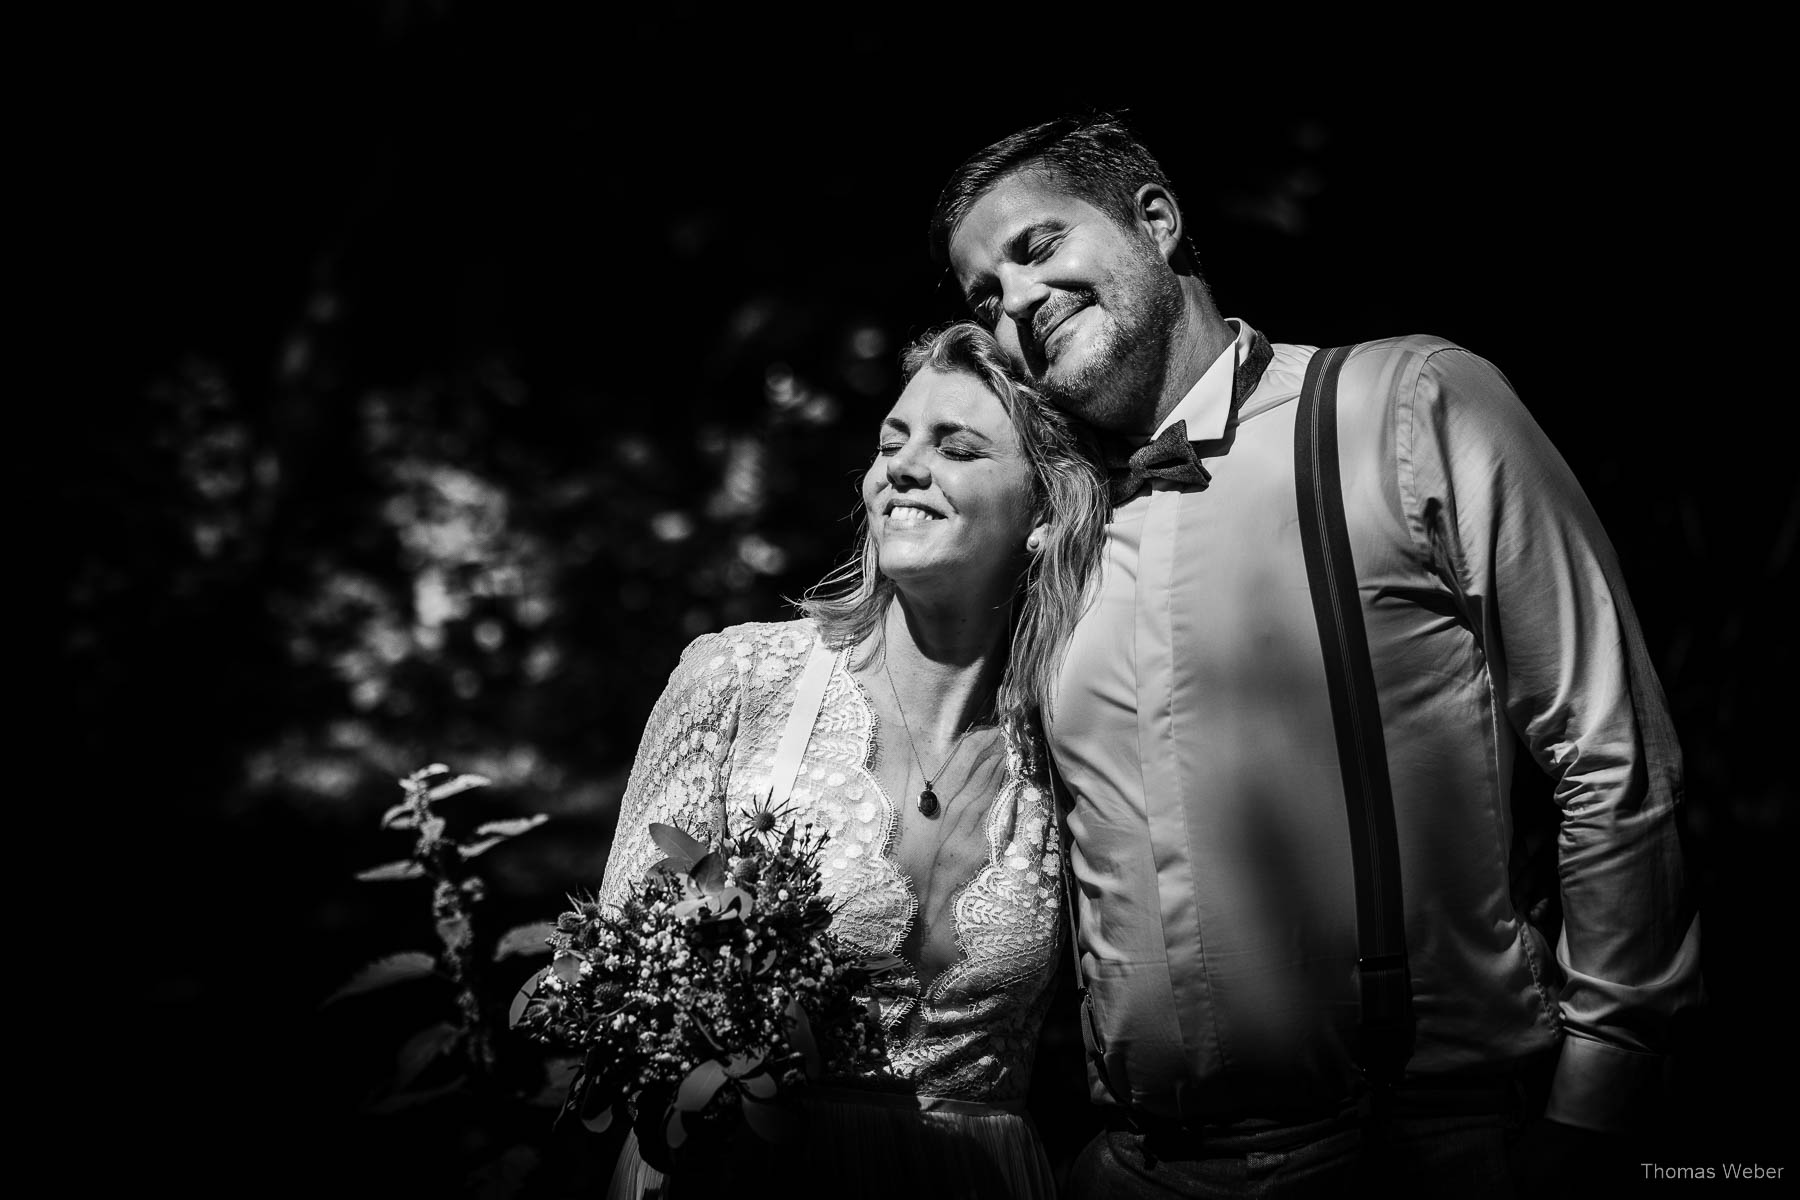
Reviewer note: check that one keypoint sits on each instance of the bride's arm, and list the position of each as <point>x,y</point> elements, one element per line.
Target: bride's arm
<point>678,777</point>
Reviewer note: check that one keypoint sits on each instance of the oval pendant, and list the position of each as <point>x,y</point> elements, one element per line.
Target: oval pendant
<point>928,802</point>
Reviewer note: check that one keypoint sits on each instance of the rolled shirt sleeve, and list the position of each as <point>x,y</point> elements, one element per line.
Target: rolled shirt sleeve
<point>1503,519</point>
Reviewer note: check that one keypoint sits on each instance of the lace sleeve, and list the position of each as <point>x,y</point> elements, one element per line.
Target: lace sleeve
<point>679,776</point>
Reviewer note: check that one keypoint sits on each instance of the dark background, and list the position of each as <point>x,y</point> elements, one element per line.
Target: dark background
<point>459,362</point>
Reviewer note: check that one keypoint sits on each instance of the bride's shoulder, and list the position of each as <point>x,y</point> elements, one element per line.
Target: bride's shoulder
<point>755,648</point>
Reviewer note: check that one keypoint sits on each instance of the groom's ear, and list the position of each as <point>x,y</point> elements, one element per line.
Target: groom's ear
<point>1160,218</point>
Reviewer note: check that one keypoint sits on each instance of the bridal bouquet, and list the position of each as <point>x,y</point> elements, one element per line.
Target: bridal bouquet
<point>714,989</point>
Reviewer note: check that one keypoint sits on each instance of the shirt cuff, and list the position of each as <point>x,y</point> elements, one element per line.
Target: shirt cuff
<point>1603,1088</point>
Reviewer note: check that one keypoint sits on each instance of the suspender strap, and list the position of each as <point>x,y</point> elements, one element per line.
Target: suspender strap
<point>798,731</point>
<point>1385,1040</point>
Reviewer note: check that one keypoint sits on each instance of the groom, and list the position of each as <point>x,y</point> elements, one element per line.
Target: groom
<point>1233,1035</point>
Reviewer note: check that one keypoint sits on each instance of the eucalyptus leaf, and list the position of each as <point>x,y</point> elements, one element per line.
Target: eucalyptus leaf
<point>568,967</point>
<point>601,1121</point>
<point>761,1086</point>
<point>675,1131</point>
<point>741,1065</point>
<point>700,1086</point>
<point>709,871</point>
<point>677,844</point>
<point>394,968</point>
<point>404,869</point>
<point>525,939</point>
<point>801,1034</point>
<point>736,901</point>
<point>482,847</point>
<point>395,1102</point>
<point>421,1050</point>
<point>522,998</point>
<point>513,827</point>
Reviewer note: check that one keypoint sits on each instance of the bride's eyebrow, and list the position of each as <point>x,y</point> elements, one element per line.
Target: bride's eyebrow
<point>945,428</point>
<point>941,429</point>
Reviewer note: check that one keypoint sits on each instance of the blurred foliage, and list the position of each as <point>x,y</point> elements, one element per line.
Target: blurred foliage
<point>462,1076</point>
<point>470,361</point>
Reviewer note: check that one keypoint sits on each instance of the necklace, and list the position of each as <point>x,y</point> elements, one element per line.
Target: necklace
<point>928,801</point>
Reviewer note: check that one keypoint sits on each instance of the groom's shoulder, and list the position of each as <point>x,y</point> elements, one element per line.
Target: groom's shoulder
<point>1383,370</point>
<point>1378,356</point>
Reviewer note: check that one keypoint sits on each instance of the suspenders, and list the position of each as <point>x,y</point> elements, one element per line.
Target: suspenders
<point>1384,1039</point>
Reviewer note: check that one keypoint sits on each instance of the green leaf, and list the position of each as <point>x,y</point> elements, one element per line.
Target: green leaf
<point>394,968</point>
<point>400,1101</point>
<point>675,1132</point>
<point>568,967</point>
<point>700,1086</point>
<point>709,872</point>
<point>560,1077</point>
<point>461,783</point>
<point>601,1121</point>
<point>424,773</point>
<point>761,1086</point>
<point>522,998</point>
<point>399,817</point>
<point>525,939</point>
<point>421,1050</point>
<point>482,847</point>
<point>801,1034</point>
<point>404,869</point>
<point>513,827</point>
<point>677,844</point>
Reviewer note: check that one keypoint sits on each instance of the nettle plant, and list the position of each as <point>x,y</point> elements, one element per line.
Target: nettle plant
<point>462,1053</point>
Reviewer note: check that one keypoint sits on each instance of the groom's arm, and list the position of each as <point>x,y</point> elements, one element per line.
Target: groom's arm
<point>1502,512</point>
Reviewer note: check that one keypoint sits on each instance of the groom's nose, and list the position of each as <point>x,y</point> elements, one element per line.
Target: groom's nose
<point>1021,291</point>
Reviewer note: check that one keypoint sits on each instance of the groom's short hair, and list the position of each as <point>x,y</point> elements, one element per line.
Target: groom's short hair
<point>1095,157</point>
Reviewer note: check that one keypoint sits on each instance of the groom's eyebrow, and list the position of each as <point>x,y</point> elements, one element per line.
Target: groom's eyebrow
<point>1020,242</point>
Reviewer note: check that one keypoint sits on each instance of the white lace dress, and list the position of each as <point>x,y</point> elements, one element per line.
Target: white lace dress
<point>965,1041</point>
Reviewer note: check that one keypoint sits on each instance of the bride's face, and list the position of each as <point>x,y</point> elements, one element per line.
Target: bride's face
<point>949,495</point>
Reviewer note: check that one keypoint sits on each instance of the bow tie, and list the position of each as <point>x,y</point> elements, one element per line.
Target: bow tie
<point>1170,457</point>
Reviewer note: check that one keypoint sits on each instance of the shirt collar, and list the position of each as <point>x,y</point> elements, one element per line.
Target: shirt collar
<point>1207,405</point>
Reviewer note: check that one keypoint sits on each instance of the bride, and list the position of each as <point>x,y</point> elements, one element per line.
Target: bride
<point>935,648</point>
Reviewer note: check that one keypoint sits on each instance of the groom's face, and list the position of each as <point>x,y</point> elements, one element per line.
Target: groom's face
<point>1082,302</point>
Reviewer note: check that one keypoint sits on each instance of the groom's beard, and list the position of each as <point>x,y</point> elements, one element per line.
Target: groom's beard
<point>1119,382</point>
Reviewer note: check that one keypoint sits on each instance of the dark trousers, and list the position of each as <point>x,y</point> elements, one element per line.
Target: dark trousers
<point>1443,1143</point>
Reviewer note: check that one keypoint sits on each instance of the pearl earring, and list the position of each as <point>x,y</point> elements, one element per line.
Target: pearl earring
<point>1034,543</point>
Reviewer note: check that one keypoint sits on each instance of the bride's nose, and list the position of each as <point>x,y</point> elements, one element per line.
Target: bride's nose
<point>908,468</point>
